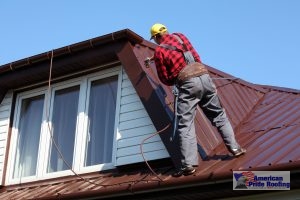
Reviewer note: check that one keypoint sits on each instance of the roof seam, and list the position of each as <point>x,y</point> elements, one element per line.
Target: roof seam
<point>274,128</point>
<point>240,125</point>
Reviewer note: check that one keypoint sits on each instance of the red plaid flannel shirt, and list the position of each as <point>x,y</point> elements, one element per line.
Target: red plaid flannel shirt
<point>170,62</point>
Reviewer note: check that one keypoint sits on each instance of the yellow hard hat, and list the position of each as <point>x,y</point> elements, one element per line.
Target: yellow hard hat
<point>157,28</point>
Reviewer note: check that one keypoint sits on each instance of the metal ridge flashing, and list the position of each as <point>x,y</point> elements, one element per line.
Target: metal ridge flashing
<point>280,89</point>
<point>217,72</point>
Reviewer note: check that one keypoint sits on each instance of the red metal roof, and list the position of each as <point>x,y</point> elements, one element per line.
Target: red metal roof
<point>266,120</point>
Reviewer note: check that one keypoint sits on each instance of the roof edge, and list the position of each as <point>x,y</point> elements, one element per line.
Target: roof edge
<point>94,42</point>
<point>155,185</point>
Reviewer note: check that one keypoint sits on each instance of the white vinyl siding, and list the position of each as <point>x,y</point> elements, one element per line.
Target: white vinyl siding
<point>134,126</point>
<point>5,108</point>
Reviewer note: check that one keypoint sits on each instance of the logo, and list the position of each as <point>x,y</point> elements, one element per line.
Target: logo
<point>261,180</point>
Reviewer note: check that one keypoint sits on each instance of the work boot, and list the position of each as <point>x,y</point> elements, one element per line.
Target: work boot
<point>238,152</point>
<point>189,170</point>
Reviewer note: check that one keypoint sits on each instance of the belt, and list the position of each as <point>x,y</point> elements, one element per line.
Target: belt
<point>191,70</point>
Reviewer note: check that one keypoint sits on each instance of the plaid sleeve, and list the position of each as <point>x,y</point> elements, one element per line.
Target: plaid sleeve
<point>162,68</point>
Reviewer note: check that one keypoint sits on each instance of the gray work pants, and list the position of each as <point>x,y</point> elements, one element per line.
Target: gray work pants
<point>199,91</point>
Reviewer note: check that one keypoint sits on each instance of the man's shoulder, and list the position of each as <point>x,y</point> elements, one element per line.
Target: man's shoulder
<point>179,34</point>
<point>172,37</point>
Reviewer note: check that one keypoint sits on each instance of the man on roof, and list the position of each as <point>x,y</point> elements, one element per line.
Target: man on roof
<point>178,63</point>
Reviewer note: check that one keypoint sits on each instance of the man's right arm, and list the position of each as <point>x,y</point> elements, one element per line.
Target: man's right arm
<point>162,71</point>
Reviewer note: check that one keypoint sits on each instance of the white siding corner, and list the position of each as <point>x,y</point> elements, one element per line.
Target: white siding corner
<point>5,108</point>
<point>134,126</point>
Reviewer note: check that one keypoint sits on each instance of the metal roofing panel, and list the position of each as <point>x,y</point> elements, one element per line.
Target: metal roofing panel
<point>274,147</point>
<point>277,109</point>
<point>237,98</point>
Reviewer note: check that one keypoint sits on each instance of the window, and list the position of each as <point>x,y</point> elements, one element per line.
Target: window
<point>63,128</point>
<point>101,114</point>
<point>29,127</point>
<point>73,126</point>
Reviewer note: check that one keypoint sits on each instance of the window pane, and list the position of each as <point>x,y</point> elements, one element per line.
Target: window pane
<point>63,128</point>
<point>101,114</point>
<point>28,136</point>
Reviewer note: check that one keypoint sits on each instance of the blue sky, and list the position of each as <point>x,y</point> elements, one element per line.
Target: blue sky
<point>256,40</point>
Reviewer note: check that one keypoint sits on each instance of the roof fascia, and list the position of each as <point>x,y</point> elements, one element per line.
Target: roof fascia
<point>39,64</point>
<point>94,42</point>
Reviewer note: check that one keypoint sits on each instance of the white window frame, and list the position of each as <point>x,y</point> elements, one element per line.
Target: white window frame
<point>81,127</point>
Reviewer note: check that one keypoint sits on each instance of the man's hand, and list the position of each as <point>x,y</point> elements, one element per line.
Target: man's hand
<point>148,61</point>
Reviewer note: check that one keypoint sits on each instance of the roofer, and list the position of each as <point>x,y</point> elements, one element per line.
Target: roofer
<point>178,63</point>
